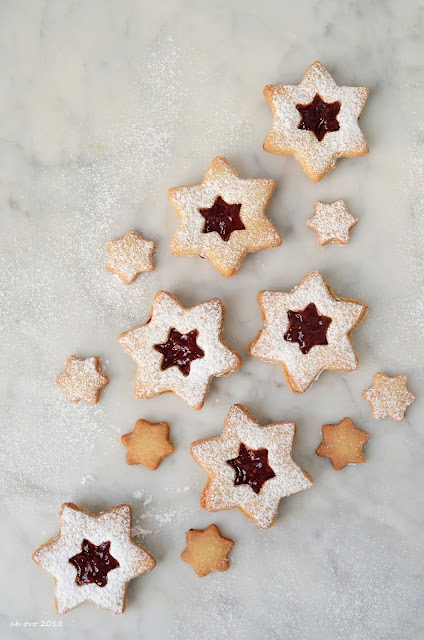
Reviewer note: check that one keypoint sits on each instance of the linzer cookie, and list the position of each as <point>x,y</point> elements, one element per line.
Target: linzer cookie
<point>342,444</point>
<point>207,550</point>
<point>388,397</point>
<point>129,256</point>
<point>332,222</point>
<point>316,121</point>
<point>180,349</point>
<point>223,218</point>
<point>148,444</point>
<point>82,379</point>
<point>93,558</point>
<point>249,467</point>
<point>307,331</point>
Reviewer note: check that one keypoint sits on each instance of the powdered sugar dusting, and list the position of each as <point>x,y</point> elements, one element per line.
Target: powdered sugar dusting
<point>388,397</point>
<point>332,222</point>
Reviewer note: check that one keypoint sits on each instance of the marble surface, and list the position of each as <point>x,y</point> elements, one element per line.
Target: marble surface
<point>104,106</point>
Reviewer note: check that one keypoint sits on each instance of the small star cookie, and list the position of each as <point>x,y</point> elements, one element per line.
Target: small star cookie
<point>331,222</point>
<point>148,444</point>
<point>307,331</point>
<point>223,218</point>
<point>249,467</point>
<point>388,397</point>
<point>82,379</point>
<point>180,349</point>
<point>207,550</point>
<point>342,443</point>
<point>93,558</point>
<point>130,256</point>
<point>316,121</point>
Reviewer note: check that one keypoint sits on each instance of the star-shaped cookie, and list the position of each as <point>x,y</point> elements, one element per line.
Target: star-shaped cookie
<point>93,558</point>
<point>307,331</point>
<point>316,121</point>
<point>130,255</point>
<point>207,550</point>
<point>148,444</point>
<point>342,443</point>
<point>332,222</point>
<point>223,218</point>
<point>82,379</point>
<point>388,397</point>
<point>180,349</point>
<point>249,467</point>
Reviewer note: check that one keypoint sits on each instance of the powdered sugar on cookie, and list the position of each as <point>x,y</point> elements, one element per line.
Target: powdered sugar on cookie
<point>332,351</point>
<point>168,349</point>
<point>332,222</point>
<point>77,526</point>
<point>82,379</point>
<point>316,155</point>
<point>130,256</point>
<point>388,397</point>
<point>285,477</point>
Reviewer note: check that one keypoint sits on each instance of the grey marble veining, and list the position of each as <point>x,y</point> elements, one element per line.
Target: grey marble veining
<point>104,106</point>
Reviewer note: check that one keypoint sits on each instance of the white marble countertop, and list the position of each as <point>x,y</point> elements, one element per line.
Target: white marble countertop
<point>104,106</point>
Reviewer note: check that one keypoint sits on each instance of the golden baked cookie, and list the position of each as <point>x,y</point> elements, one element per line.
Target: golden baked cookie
<point>331,222</point>
<point>388,397</point>
<point>82,379</point>
<point>148,443</point>
<point>342,443</point>
<point>130,255</point>
<point>207,550</point>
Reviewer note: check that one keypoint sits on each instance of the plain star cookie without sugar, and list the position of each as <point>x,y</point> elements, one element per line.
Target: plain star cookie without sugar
<point>93,558</point>
<point>388,397</point>
<point>148,444</point>
<point>249,467</point>
<point>316,121</point>
<point>331,222</point>
<point>130,255</point>
<point>180,349</point>
<point>223,218</point>
<point>342,443</point>
<point>207,550</point>
<point>307,331</point>
<point>82,379</point>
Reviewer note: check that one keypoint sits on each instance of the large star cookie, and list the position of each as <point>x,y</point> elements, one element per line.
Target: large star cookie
<point>307,331</point>
<point>249,467</point>
<point>207,550</point>
<point>316,121</point>
<point>82,379</point>
<point>331,222</point>
<point>180,349</point>
<point>130,255</point>
<point>388,397</point>
<point>93,558</point>
<point>342,443</point>
<point>148,444</point>
<point>223,218</point>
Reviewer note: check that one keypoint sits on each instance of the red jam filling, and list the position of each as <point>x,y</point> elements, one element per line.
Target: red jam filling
<point>93,563</point>
<point>180,350</point>
<point>223,218</point>
<point>251,467</point>
<point>319,116</point>
<point>307,328</point>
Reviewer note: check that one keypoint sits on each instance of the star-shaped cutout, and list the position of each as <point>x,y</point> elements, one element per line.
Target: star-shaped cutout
<point>332,222</point>
<point>342,443</point>
<point>167,313</point>
<point>207,550</point>
<point>93,563</point>
<point>222,491</point>
<point>148,444</point>
<point>388,397</point>
<point>251,467</point>
<point>130,255</point>
<point>180,350</point>
<point>79,545</point>
<point>223,218</point>
<point>310,125</point>
<point>307,328</point>
<point>302,368</point>
<point>82,379</point>
<point>319,117</point>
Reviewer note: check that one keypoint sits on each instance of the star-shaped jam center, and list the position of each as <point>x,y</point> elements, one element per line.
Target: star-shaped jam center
<point>252,468</point>
<point>319,116</point>
<point>180,350</point>
<point>93,563</point>
<point>223,218</point>
<point>307,328</point>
